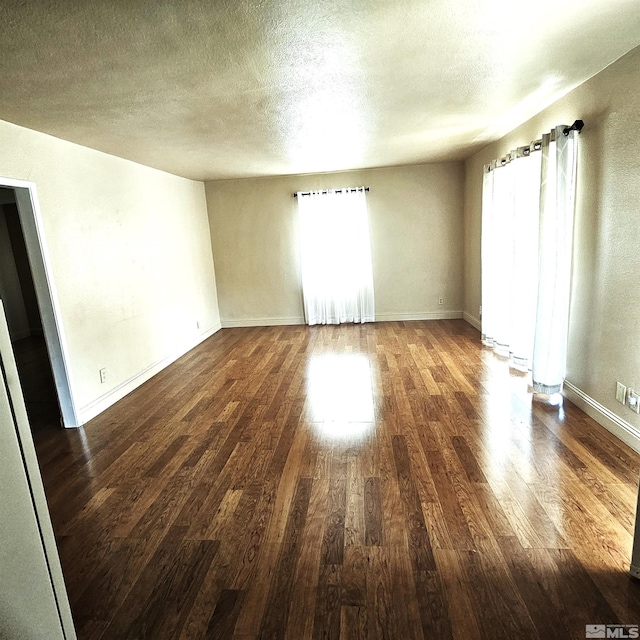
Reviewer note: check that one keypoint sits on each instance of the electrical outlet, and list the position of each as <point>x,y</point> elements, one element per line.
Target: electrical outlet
<point>103,375</point>
<point>440,300</point>
<point>621,393</point>
<point>633,400</point>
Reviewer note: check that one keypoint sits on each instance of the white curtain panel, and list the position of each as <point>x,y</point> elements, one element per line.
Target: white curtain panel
<point>337,274</point>
<point>509,258</point>
<point>527,238</point>
<point>557,204</point>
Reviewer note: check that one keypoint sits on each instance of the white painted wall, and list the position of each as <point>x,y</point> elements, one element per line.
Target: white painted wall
<point>415,215</point>
<point>604,332</point>
<point>131,258</point>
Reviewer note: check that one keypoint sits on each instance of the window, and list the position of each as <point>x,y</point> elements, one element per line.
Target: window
<point>337,274</point>
<point>527,238</point>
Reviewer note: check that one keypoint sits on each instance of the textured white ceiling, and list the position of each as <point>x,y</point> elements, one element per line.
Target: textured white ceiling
<point>236,88</point>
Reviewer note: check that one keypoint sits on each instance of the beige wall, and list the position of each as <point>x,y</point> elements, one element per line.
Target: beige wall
<point>131,259</point>
<point>415,214</point>
<point>605,310</point>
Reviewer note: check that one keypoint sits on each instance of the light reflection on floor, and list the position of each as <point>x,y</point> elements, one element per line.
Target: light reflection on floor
<point>509,432</point>
<point>340,395</point>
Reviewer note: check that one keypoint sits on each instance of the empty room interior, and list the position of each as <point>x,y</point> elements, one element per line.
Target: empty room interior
<point>319,319</point>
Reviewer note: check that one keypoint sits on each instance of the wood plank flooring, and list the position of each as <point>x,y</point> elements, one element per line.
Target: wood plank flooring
<point>385,481</point>
<point>38,387</point>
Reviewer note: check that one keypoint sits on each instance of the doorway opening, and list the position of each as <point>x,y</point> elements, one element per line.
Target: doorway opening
<point>28,296</point>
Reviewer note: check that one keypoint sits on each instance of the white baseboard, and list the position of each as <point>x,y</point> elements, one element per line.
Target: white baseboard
<point>473,321</point>
<point>603,416</point>
<point>423,315</point>
<point>380,317</point>
<point>262,322</point>
<point>99,405</point>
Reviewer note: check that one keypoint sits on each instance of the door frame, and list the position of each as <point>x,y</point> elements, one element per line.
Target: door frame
<point>40,263</point>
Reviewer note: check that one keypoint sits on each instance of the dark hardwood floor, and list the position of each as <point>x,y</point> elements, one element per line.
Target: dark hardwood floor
<point>385,481</point>
<point>36,380</point>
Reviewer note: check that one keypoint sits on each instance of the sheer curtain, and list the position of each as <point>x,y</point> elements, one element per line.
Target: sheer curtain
<point>557,204</point>
<point>337,275</point>
<point>527,236</point>
<point>510,255</point>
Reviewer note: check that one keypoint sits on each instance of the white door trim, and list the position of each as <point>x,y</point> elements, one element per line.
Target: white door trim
<point>33,230</point>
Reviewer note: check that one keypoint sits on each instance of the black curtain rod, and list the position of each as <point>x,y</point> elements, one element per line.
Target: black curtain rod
<point>576,126</point>
<point>308,193</point>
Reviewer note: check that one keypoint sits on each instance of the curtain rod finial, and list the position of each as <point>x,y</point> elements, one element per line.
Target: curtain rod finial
<point>576,126</point>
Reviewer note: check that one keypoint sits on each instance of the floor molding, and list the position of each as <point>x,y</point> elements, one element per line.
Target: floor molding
<point>97,406</point>
<point>380,317</point>
<point>421,315</point>
<point>603,416</point>
<point>262,322</point>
